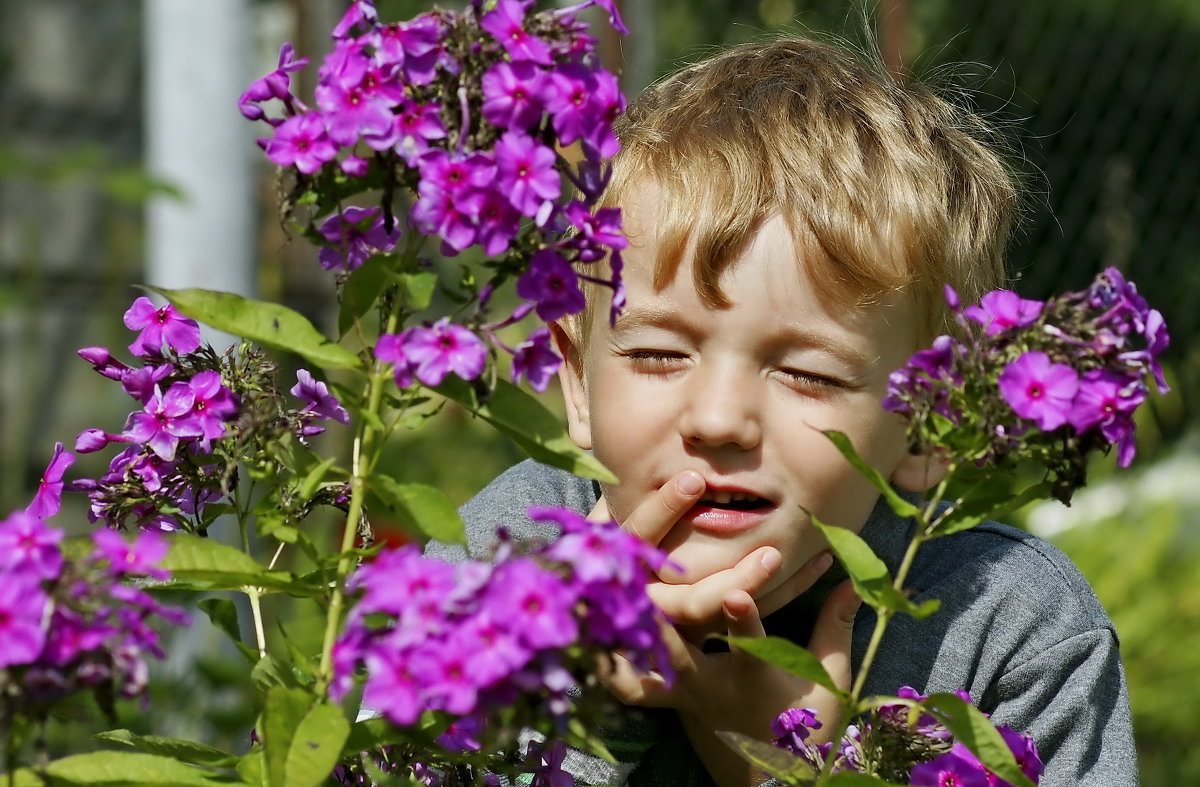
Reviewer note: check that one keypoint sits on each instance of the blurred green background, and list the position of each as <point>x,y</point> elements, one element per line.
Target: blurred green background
<point>1098,98</point>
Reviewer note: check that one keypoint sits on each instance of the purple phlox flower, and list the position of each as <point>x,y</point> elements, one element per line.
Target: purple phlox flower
<point>1107,399</point>
<point>138,557</point>
<point>356,97</point>
<point>447,683</point>
<point>300,142</point>
<point>512,95</point>
<point>317,398</point>
<point>361,13</point>
<point>48,498</point>
<point>569,101</point>
<point>1024,751</point>
<point>141,383</point>
<point>29,545</point>
<point>415,46</point>
<point>416,126</point>
<point>552,284</point>
<point>91,440</point>
<point>355,166</point>
<point>277,84</point>
<point>398,580</point>
<point>166,419</point>
<point>438,350</point>
<point>597,233</point>
<point>606,103</point>
<point>496,649</point>
<point>393,688</point>
<point>536,602</point>
<point>952,299</point>
<point>159,324</point>
<point>546,762</point>
<point>614,15</point>
<point>1000,310</point>
<point>535,360</point>
<point>213,404</point>
<point>1039,390</point>
<point>526,172</point>
<point>22,618</point>
<point>956,768</point>
<point>505,22</point>
<point>355,234</point>
<point>103,362</point>
<point>499,223</point>
<point>390,349</point>
<point>463,734</point>
<point>451,192</point>
<point>70,635</point>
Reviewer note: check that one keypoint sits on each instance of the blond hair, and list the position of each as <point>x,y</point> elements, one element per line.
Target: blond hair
<point>886,185</point>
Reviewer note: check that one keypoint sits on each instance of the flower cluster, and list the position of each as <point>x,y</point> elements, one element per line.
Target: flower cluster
<point>480,115</point>
<point>70,625</point>
<point>173,463</point>
<point>902,744</point>
<point>503,639</point>
<point>1048,380</point>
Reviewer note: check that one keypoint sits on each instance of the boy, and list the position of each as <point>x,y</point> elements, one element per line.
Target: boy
<point>792,216</point>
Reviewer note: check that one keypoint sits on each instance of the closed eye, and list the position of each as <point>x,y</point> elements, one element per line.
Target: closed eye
<point>809,382</point>
<point>650,361</point>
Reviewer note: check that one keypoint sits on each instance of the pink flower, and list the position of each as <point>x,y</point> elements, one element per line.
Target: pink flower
<point>300,141</point>
<point>48,498</point>
<point>444,348</point>
<point>158,325</point>
<point>1000,310</point>
<point>1039,390</point>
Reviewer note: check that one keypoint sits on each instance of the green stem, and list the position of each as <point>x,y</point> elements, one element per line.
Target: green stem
<point>260,635</point>
<point>360,469</point>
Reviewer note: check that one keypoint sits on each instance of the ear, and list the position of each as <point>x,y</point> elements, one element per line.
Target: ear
<point>919,472</point>
<point>570,377</point>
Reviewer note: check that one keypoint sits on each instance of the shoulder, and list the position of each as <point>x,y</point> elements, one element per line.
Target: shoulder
<point>506,500</point>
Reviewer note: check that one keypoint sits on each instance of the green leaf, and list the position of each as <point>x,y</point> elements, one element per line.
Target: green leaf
<point>530,425</point>
<point>422,507</point>
<point>418,289</point>
<point>789,656</point>
<point>869,574</point>
<point>182,750</point>
<point>361,290</point>
<point>120,768</point>
<point>223,614</point>
<point>777,762</point>
<point>274,671</point>
<point>976,731</point>
<point>268,324</point>
<point>901,506</point>
<point>375,732</point>
<point>282,713</point>
<point>316,746</point>
<point>204,564</point>
<point>308,485</point>
<point>981,506</point>
<point>251,768</point>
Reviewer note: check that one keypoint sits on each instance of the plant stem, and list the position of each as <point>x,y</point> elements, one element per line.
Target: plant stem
<point>360,469</point>
<point>260,635</point>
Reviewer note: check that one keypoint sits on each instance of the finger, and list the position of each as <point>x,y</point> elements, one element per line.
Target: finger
<point>741,615</point>
<point>832,634</point>
<point>631,686</point>
<point>600,511</point>
<point>700,602</point>
<point>795,585</point>
<point>654,518</point>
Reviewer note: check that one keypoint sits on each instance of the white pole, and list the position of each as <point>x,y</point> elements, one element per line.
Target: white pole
<point>197,57</point>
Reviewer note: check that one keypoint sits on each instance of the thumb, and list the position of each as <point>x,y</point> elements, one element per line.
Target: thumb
<point>832,635</point>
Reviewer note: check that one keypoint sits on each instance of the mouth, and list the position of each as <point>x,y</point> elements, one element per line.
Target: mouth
<point>728,511</point>
<point>733,500</point>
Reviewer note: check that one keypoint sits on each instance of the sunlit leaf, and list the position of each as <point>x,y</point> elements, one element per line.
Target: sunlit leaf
<point>182,750</point>
<point>113,768</point>
<point>869,574</point>
<point>776,762</point>
<point>268,324</point>
<point>902,507</point>
<point>789,656</point>
<point>422,507</point>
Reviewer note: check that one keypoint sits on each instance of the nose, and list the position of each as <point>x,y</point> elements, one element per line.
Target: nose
<point>722,408</point>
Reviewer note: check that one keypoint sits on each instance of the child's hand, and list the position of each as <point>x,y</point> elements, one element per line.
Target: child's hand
<point>737,691</point>
<point>697,607</point>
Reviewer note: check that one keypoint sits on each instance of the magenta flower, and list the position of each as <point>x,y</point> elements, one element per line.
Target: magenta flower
<point>512,95</point>
<point>390,349</point>
<point>300,142</point>
<point>415,46</point>
<point>416,126</point>
<point>1039,390</point>
<point>614,16</point>
<point>22,618</point>
<point>535,360</point>
<point>103,362</point>
<point>552,284</point>
<point>317,398</point>
<point>355,234</point>
<point>538,605</point>
<point>505,22</point>
<point>597,233</point>
<point>141,383</point>
<point>28,545</point>
<point>1107,400</point>
<point>165,420</point>
<point>956,768</point>
<point>394,688</point>
<point>139,557</point>
<point>158,325</point>
<point>48,498</point>
<point>277,84</point>
<point>526,172</point>
<point>568,99</point>
<point>213,405</point>
<point>1000,310</point>
<point>438,350</point>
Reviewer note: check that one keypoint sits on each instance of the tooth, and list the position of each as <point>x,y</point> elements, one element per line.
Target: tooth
<point>721,497</point>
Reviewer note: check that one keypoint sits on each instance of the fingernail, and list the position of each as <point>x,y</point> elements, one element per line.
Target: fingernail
<point>770,559</point>
<point>824,561</point>
<point>690,484</point>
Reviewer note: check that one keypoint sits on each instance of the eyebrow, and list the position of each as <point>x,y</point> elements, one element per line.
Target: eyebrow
<point>635,317</point>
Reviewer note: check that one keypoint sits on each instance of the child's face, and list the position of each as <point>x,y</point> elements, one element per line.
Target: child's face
<point>738,395</point>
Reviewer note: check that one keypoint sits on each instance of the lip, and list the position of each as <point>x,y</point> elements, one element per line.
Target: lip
<point>709,517</point>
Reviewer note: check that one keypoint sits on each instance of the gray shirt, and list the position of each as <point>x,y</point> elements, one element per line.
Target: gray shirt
<point>1019,628</point>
